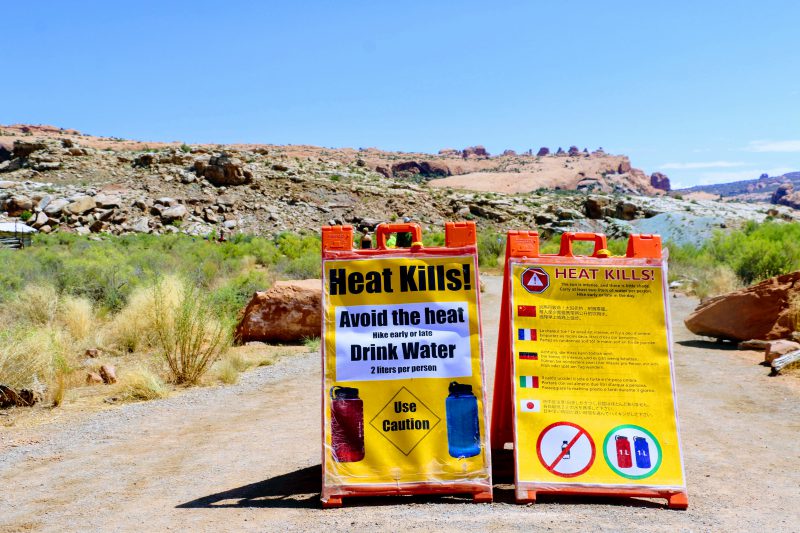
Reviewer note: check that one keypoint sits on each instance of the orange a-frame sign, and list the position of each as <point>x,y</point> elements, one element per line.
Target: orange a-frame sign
<point>584,386</point>
<point>403,395</point>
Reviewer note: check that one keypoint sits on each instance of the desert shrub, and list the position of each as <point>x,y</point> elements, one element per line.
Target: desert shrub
<point>29,356</point>
<point>433,238</point>
<point>716,280</point>
<point>76,315</point>
<point>491,246</point>
<point>229,367</point>
<point>141,384</point>
<point>753,253</point>
<point>312,343</point>
<point>190,337</point>
<point>232,296</point>
<point>135,327</point>
<point>35,305</point>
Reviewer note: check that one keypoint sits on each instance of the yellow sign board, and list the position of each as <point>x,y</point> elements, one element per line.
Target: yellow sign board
<point>403,388</point>
<point>593,393</point>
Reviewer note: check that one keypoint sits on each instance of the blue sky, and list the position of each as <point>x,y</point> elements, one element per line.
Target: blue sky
<point>702,91</point>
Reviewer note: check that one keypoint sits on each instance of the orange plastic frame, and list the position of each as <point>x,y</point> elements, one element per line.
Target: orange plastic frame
<point>525,244</point>
<point>337,243</point>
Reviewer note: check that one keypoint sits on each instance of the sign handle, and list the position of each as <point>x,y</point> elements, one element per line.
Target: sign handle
<point>569,237</point>
<point>384,230</point>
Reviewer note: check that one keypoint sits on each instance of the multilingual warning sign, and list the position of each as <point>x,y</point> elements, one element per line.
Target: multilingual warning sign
<point>403,394</point>
<point>593,390</point>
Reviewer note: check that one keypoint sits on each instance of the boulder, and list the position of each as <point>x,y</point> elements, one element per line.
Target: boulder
<point>573,151</point>
<point>597,207</point>
<point>778,348</point>
<point>23,149</point>
<point>55,207</point>
<point>427,169</point>
<point>144,161</point>
<point>753,344</point>
<point>45,166</point>
<point>80,205</point>
<point>226,170</point>
<point>172,214</point>
<point>783,189</point>
<point>624,167</point>
<point>142,225</point>
<point>109,374</point>
<point>660,181</point>
<point>93,378</point>
<point>509,153</point>
<point>543,151</point>
<point>107,201</point>
<point>757,312</point>
<point>39,220</point>
<point>5,153</point>
<point>288,312</point>
<point>627,210</point>
<point>18,204</point>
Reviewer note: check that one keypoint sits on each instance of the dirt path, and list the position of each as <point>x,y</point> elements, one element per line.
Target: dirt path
<point>246,458</point>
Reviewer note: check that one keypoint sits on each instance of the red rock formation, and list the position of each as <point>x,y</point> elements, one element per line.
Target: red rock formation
<point>474,151</point>
<point>660,181</point>
<point>288,312</point>
<point>757,312</point>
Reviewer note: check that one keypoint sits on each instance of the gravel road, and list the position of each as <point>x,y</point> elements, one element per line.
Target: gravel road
<point>246,458</point>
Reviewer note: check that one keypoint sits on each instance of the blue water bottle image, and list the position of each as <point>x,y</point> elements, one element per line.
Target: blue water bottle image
<point>463,431</point>
<point>642,451</point>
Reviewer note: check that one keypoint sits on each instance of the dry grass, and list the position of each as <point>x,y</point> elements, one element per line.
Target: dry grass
<point>35,305</point>
<point>134,328</point>
<point>59,389</point>
<point>77,317</point>
<point>794,309</point>
<point>27,356</point>
<point>312,343</point>
<point>718,280</point>
<point>141,384</point>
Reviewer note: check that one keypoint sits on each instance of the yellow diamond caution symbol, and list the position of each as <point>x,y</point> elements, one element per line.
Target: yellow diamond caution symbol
<point>405,421</point>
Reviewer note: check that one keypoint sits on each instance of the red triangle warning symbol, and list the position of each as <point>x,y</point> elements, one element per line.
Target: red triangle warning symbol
<point>534,282</point>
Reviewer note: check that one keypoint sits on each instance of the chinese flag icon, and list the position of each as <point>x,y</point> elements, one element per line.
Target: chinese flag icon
<point>526,310</point>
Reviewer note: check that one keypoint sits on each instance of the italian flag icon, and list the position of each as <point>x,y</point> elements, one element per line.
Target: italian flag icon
<point>527,334</point>
<point>529,382</point>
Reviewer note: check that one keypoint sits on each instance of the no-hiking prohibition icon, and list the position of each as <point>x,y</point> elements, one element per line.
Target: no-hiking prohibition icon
<point>535,280</point>
<point>565,449</point>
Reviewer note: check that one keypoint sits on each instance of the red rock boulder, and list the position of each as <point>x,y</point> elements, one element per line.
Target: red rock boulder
<point>659,181</point>
<point>757,312</point>
<point>289,312</point>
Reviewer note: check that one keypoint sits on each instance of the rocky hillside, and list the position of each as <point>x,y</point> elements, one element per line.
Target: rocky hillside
<point>61,180</point>
<point>770,189</point>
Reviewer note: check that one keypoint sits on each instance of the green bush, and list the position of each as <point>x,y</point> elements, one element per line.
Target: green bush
<point>491,246</point>
<point>109,270</point>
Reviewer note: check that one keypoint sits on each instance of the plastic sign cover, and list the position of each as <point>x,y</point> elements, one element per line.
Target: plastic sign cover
<point>593,380</point>
<point>403,394</point>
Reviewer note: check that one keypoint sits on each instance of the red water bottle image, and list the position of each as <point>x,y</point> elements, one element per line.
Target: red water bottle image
<point>347,425</point>
<point>624,459</point>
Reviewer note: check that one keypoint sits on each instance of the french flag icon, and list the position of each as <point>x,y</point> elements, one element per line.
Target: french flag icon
<point>527,334</point>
